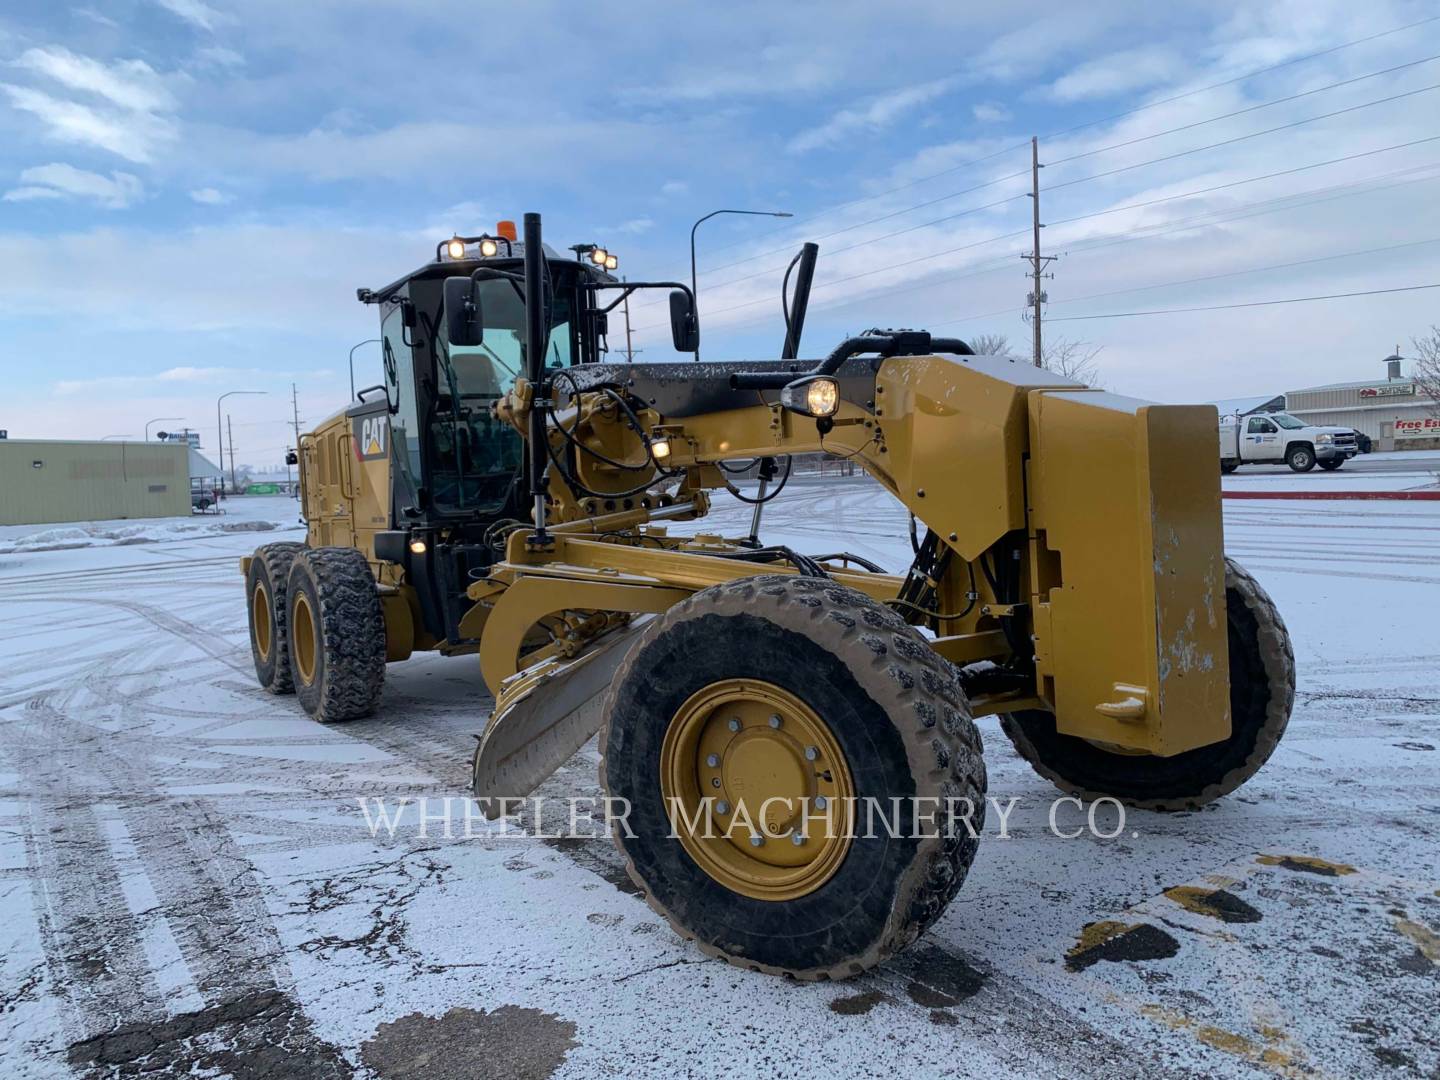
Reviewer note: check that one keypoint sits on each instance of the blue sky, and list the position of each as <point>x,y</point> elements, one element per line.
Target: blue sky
<point>191,190</point>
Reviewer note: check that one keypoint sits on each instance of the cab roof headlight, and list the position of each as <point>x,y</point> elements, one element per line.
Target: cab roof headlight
<point>611,262</point>
<point>815,395</point>
<point>488,247</point>
<point>455,248</point>
<point>598,256</point>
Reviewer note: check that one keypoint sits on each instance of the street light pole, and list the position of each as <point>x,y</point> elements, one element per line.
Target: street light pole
<point>157,420</point>
<point>368,341</point>
<point>694,289</point>
<point>220,432</point>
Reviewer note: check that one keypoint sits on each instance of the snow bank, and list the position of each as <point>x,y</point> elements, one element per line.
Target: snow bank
<point>104,534</point>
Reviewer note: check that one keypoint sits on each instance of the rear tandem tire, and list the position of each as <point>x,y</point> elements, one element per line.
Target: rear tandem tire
<point>1262,692</point>
<point>265,600</point>
<point>1331,464</point>
<point>337,634</point>
<point>891,721</point>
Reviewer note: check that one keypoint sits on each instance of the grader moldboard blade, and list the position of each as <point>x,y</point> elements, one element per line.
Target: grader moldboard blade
<point>542,716</point>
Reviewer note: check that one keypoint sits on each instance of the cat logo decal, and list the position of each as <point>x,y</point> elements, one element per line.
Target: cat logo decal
<point>370,437</point>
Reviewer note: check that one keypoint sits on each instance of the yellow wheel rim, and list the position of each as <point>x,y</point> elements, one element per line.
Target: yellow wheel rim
<point>302,633</point>
<point>260,616</point>
<point>757,789</point>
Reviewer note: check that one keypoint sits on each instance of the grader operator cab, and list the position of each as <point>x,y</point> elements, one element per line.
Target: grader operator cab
<point>790,737</point>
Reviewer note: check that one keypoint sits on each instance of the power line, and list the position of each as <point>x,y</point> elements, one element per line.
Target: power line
<point>1241,78</point>
<point>1083,217</point>
<point>1252,270</point>
<point>1117,116</point>
<point>1247,180</point>
<point>1078,180</point>
<point>1248,109</point>
<point>1242,138</point>
<point>1251,304</point>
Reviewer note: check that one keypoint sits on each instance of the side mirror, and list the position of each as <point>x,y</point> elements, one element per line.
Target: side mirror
<point>463,323</point>
<point>684,324</point>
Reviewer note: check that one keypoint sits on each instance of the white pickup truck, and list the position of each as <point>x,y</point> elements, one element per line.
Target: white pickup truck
<point>1270,438</point>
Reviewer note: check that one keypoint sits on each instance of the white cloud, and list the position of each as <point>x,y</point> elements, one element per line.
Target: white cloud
<point>59,181</point>
<point>195,13</point>
<point>219,56</point>
<point>1117,73</point>
<point>674,187</point>
<point>133,136</point>
<point>990,112</point>
<point>880,113</point>
<point>94,16</point>
<point>129,84</point>
<point>131,119</point>
<point>635,226</point>
<point>210,196</point>
<point>772,70</point>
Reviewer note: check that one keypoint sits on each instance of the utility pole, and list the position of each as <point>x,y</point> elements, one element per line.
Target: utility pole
<point>295,406</point>
<point>629,349</point>
<point>1037,261</point>
<point>231,432</point>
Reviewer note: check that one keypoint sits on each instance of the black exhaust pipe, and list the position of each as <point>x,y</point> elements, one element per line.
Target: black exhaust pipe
<point>795,310</point>
<point>536,344</point>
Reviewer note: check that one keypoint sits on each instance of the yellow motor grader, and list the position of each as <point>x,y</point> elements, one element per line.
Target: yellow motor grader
<point>506,491</point>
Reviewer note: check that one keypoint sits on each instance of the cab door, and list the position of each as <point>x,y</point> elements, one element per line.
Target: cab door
<point>1262,440</point>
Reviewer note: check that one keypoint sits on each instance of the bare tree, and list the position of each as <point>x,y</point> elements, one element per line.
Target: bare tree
<point>1426,367</point>
<point>991,345</point>
<point>1072,359</point>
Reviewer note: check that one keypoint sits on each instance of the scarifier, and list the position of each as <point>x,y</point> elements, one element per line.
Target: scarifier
<point>506,491</point>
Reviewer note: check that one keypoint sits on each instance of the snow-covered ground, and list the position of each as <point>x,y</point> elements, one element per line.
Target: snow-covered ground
<point>187,884</point>
<point>1400,470</point>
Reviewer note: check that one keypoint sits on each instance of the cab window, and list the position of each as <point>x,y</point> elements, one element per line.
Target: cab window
<point>1260,426</point>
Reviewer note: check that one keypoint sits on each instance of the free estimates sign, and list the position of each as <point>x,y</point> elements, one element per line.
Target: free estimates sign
<point>1424,427</point>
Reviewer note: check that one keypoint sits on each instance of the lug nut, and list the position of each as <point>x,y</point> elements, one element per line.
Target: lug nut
<point>722,807</point>
<point>714,781</point>
<point>812,753</point>
<point>821,802</point>
<point>756,840</point>
<point>734,724</point>
<point>713,761</point>
<point>797,839</point>
<point>774,720</point>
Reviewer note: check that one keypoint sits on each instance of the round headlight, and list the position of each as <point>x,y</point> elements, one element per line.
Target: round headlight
<point>822,397</point>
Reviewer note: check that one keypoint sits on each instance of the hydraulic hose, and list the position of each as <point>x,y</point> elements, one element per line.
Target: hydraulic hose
<point>900,343</point>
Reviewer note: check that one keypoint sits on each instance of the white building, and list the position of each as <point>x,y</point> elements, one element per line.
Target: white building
<point>1393,411</point>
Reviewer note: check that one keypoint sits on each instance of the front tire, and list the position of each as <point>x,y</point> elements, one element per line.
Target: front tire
<point>1262,692</point>
<point>265,599</point>
<point>337,634</point>
<point>709,702</point>
<point>1227,467</point>
<point>1300,458</point>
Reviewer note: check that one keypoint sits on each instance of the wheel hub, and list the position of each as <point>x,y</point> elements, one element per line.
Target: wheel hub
<point>302,633</point>
<point>757,788</point>
<point>260,614</point>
